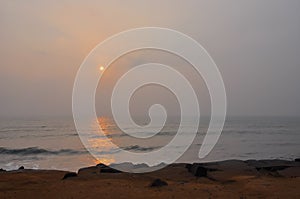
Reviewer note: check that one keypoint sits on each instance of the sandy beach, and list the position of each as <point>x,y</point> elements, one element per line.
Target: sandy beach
<point>226,179</point>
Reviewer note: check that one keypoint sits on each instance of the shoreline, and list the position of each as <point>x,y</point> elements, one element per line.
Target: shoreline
<point>229,178</point>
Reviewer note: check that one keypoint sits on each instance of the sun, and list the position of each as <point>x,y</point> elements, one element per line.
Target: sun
<point>101,68</point>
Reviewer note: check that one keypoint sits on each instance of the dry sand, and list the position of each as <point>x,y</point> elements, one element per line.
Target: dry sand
<point>229,179</point>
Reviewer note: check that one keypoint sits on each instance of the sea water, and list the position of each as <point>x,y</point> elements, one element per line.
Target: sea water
<point>54,143</point>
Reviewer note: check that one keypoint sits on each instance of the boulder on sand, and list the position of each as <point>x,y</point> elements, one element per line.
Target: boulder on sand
<point>275,167</point>
<point>69,175</point>
<point>197,170</point>
<point>158,183</point>
<point>106,169</point>
<point>99,168</point>
<point>221,171</point>
<point>89,170</point>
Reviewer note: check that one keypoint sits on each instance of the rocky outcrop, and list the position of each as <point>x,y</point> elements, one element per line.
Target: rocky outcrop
<point>99,168</point>
<point>225,170</point>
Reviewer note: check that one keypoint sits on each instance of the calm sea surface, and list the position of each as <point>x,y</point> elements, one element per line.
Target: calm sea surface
<point>55,144</point>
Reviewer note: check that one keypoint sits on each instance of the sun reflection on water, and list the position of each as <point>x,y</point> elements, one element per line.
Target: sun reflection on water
<point>100,143</point>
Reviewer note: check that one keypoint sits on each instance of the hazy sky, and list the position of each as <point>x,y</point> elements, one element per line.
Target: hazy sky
<point>256,45</point>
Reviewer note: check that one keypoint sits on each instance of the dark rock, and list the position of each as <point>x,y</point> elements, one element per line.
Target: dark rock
<point>271,163</point>
<point>136,168</point>
<point>106,169</point>
<point>109,170</point>
<point>89,170</point>
<point>69,175</point>
<point>276,167</point>
<point>2,170</point>
<point>297,160</point>
<point>101,166</point>
<point>221,171</point>
<point>291,172</point>
<point>198,171</point>
<point>158,183</point>
<point>21,168</point>
<point>188,166</point>
<point>268,173</point>
<point>272,168</point>
<point>224,170</point>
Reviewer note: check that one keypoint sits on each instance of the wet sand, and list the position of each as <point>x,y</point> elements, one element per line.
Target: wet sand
<point>227,179</point>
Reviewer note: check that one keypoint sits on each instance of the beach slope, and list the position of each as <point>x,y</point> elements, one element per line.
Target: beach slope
<point>226,179</point>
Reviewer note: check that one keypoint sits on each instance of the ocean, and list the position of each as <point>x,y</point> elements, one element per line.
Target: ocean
<point>55,144</point>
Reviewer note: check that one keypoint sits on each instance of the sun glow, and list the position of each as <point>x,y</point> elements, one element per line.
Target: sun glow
<point>101,68</point>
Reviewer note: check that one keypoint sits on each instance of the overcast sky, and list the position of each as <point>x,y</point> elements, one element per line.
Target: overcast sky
<point>256,45</point>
